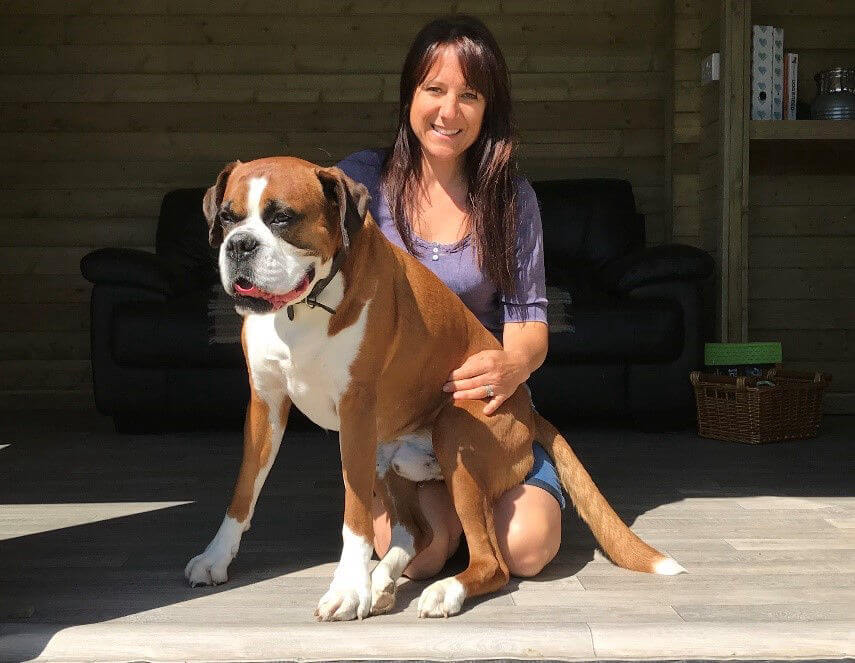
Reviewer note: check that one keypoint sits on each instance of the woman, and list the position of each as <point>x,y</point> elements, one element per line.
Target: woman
<point>458,207</point>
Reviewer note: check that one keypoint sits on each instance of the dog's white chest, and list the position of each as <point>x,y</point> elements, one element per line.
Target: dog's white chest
<point>299,356</point>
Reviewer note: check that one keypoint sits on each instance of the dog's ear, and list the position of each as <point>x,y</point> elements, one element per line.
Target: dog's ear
<point>212,201</point>
<point>350,197</point>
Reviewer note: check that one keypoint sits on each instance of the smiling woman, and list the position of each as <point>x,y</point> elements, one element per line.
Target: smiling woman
<point>447,192</point>
<point>446,113</point>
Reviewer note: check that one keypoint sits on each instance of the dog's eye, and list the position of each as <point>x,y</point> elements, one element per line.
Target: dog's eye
<point>226,217</point>
<point>281,219</point>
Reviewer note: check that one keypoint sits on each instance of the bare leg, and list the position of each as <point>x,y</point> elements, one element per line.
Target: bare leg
<point>528,529</point>
<point>435,503</point>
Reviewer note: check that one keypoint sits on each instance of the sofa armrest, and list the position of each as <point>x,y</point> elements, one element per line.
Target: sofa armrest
<point>126,267</point>
<point>656,264</point>
<point>665,387</point>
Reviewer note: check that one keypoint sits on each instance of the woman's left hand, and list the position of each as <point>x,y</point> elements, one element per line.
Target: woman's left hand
<point>504,370</point>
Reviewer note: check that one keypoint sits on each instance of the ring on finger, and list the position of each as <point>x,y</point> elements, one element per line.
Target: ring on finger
<point>490,392</point>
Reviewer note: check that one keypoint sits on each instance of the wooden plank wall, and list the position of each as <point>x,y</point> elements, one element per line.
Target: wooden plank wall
<point>686,176</point>
<point>802,215</point>
<point>105,106</point>
<point>709,143</point>
<point>696,141</point>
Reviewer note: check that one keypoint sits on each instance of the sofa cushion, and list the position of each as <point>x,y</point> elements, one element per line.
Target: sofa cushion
<point>588,222</point>
<point>655,264</point>
<point>613,329</point>
<point>561,390</point>
<point>175,334</point>
<point>578,280</point>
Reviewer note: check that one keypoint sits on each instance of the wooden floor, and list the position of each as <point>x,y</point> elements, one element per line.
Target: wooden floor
<point>95,529</point>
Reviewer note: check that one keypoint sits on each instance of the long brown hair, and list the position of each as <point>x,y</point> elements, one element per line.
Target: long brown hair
<point>490,162</point>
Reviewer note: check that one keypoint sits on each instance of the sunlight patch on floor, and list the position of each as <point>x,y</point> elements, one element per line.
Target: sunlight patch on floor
<point>741,504</point>
<point>778,502</point>
<point>27,519</point>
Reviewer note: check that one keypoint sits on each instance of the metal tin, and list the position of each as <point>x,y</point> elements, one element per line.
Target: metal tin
<point>835,98</point>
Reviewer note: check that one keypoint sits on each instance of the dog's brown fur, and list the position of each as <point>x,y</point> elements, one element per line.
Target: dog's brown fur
<point>417,332</point>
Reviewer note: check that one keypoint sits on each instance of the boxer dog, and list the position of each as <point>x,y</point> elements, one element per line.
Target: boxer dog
<point>361,337</point>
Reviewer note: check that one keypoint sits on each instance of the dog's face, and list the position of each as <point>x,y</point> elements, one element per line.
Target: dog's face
<point>279,223</point>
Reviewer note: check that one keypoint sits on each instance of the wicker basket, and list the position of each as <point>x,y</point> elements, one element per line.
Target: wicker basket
<point>738,410</point>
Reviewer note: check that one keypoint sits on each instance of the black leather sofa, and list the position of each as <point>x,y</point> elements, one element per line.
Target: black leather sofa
<point>626,320</point>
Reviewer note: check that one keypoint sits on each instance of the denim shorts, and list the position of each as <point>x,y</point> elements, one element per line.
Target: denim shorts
<point>544,475</point>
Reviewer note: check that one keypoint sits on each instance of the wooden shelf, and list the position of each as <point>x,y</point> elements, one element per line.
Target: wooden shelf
<point>802,130</point>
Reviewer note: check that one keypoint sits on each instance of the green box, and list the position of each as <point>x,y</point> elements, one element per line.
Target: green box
<point>732,354</point>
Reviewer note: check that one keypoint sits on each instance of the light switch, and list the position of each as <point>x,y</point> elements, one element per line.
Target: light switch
<point>711,68</point>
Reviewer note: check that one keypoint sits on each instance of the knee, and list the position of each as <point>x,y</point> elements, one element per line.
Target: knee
<point>526,558</point>
<point>529,551</point>
<point>529,541</point>
<point>527,564</point>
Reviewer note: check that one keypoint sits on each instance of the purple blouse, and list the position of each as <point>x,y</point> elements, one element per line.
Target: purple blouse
<point>456,265</point>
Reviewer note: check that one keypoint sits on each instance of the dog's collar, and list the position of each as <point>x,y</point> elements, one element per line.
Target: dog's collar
<point>312,299</point>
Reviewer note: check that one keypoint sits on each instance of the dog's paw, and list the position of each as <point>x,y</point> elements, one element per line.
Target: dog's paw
<point>209,568</point>
<point>342,603</point>
<point>382,592</point>
<point>442,599</point>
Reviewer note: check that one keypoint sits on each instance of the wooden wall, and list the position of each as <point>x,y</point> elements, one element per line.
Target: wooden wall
<point>686,136</point>
<point>696,155</point>
<point>802,214</point>
<point>105,106</point>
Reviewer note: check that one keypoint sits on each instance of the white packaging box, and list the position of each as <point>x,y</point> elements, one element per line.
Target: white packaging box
<point>791,85</point>
<point>778,73</point>
<point>762,56</point>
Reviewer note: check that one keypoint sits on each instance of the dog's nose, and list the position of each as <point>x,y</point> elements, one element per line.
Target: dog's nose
<point>242,246</point>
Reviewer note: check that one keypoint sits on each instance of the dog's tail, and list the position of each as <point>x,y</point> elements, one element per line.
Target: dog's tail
<point>616,539</point>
